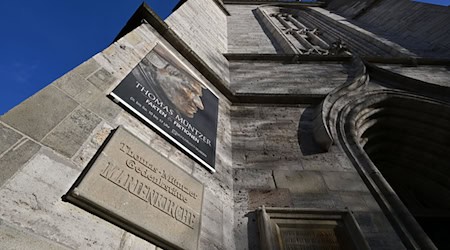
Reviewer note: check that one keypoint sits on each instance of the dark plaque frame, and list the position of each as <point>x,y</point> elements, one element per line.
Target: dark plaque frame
<point>167,95</point>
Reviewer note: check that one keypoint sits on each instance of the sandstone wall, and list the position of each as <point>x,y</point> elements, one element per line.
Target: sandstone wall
<point>245,32</point>
<point>266,154</point>
<point>203,26</point>
<point>276,163</point>
<point>435,74</point>
<point>46,141</point>
<point>421,28</point>
<point>305,78</point>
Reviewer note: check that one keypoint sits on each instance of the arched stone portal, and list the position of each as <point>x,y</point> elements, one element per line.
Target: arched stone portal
<point>399,141</point>
<point>407,139</point>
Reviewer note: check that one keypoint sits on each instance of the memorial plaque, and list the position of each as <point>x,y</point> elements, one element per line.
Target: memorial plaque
<point>136,188</point>
<point>287,228</point>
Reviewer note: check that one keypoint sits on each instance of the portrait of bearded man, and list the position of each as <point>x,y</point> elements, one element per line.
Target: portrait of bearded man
<point>167,94</point>
<point>171,84</point>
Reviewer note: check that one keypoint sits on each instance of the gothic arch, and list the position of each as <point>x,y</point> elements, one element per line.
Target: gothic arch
<point>399,141</point>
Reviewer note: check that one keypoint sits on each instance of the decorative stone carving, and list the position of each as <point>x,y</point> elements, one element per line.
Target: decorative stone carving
<point>304,40</point>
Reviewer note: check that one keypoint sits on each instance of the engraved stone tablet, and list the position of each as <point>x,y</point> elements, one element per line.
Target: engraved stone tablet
<point>286,228</point>
<point>134,187</point>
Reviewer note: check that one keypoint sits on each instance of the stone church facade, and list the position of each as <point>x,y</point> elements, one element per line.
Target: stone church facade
<point>333,123</point>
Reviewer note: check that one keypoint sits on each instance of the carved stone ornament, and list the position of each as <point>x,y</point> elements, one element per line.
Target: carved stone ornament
<point>297,37</point>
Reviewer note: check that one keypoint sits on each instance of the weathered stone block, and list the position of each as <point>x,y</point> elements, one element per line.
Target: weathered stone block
<point>88,150</point>
<point>32,199</point>
<point>214,185</point>
<point>321,201</point>
<point>71,133</point>
<point>40,113</point>
<point>130,242</point>
<point>321,162</point>
<point>240,198</point>
<point>252,36</point>
<point>87,95</point>
<point>270,77</point>
<point>344,181</point>
<point>104,107</point>
<point>373,222</point>
<point>102,79</point>
<point>354,201</point>
<point>14,239</point>
<point>71,83</point>
<point>181,160</point>
<point>253,179</point>
<point>300,182</point>
<point>212,219</point>
<point>228,225</point>
<point>206,242</point>
<point>87,68</point>
<point>371,202</point>
<point>138,128</point>
<point>14,159</point>
<point>117,60</point>
<point>280,197</point>
<point>438,75</point>
<point>343,160</point>
<point>8,137</point>
<point>384,241</point>
<point>162,146</point>
<point>206,34</point>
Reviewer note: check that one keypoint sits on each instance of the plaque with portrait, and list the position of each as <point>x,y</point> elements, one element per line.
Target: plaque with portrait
<point>163,92</point>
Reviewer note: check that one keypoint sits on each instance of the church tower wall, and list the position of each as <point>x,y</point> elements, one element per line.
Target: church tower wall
<point>298,86</point>
<point>48,139</point>
<point>420,27</point>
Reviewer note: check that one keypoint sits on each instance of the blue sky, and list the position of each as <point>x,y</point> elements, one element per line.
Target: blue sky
<point>42,40</point>
<point>438,2</point>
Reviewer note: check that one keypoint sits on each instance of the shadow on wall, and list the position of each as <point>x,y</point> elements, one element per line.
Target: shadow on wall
<point>252,231</point>
<point>308,145</point>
